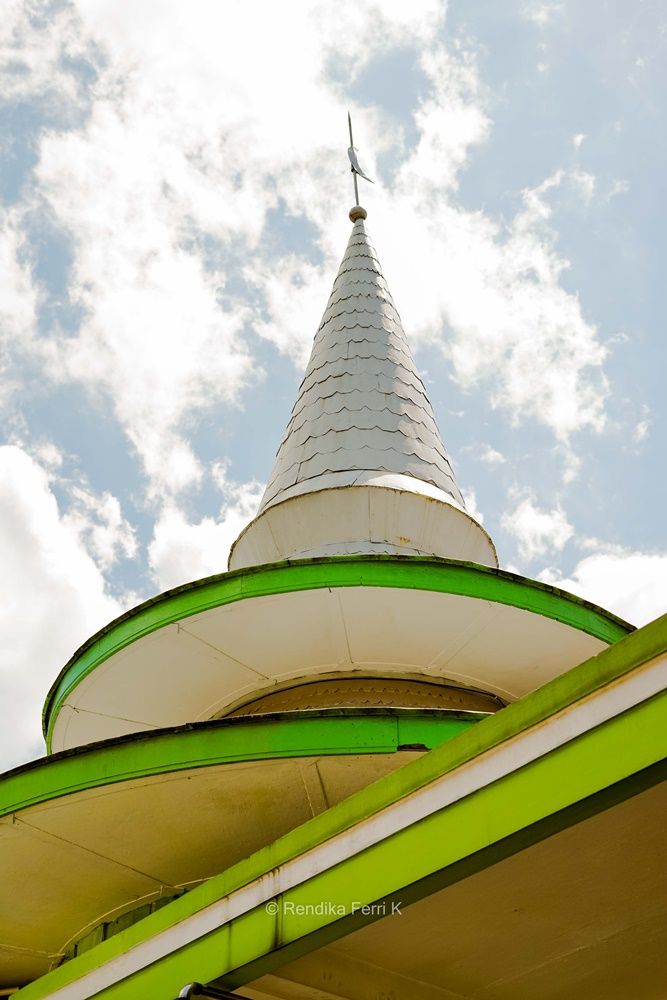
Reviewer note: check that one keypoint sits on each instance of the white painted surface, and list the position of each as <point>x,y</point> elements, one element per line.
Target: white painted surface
<point>361,519</point>
<point>217,660</point>
<point>510,756</point>
<point>362,418</point>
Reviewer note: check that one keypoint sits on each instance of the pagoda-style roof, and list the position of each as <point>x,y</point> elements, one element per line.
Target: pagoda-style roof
<point>330,724</point>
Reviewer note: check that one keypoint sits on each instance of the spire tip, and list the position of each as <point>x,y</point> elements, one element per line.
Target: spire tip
<point>357,212</point>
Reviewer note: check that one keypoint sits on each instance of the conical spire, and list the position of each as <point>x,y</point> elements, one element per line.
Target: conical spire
<point>361,421</point>
<point>362,406</point>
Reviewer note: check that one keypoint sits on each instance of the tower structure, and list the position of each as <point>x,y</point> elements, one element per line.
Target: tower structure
<point>361,468</point>
<point>364,762</point>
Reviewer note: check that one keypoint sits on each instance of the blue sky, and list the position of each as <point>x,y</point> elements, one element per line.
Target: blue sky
<point>173,206</point>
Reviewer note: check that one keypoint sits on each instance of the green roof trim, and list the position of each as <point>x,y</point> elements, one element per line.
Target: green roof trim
<point>226,741</point>
<point>408,572</point>
<point>607,754</point>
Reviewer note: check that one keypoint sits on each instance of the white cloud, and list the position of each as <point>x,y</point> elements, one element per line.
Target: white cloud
<point>165,190</point>
<point>579,139</point>
<point>493,301</point>
<point>182,550</point>
<point>585,182</point>
<point>491,297</point>
<point>19,301</point>
<point>186,147</point>
<point>536,530</point>
<point>98,522</point>
<point>295,292</point>
<point>450,122</point>
<point>492,457</point>
<point>41,48</point>
<point>541,12</point>
<point>571,462</point>
<point>631,584</point>
<point>54,597</point>
<point>641,431</point>
<point>18,295</point>
<point>619,186</point>
<point>470,498</point>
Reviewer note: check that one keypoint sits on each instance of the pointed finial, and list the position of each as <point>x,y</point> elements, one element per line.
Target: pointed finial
<point>356,212</point>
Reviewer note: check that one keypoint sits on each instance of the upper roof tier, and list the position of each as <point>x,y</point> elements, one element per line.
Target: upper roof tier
<point>362,404</point>
<point>362,420</point>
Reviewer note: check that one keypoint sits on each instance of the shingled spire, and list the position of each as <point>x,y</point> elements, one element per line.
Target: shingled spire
<point>362,422</point>
<point>362,406</point>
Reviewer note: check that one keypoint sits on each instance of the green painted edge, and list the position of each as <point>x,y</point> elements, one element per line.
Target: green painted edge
<point>607,754</point>
<point>223,741</point>
<point>408,572</point>
<point>528,836</point>
<point>605,668</point>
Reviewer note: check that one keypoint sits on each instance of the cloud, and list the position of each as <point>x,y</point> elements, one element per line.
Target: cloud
<point>641,431</point>
<point>491,456</point>
<point>18,302</point>
<point>165,190</point>
<point>18,294</point>
<point>156,336</point>
<point>295,293</point>
<point>97,521</point>
<point>633,584</point>
<point>492,300</point>
<point>618,186</point>
<point>536,530</point>
<point>585,182</point>
<point>42,51</point>
<point>489,296</point>
<point>450,122</point>
<point>541,12</point>
<point>470,498</point>
<point>182,550</point>
<point>54,598</point>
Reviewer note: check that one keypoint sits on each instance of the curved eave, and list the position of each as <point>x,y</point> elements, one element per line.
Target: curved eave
<point>227,741</point>
<point>411,573</point>
<point>89,824</point>
<point>573,750</point>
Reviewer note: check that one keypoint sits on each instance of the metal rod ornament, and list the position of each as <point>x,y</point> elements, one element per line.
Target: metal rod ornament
<point>354,162</point>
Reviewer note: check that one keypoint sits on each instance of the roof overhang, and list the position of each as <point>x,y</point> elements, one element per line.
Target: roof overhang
<point>207,647</point>
<point>569,777</point>
<point>119,825</point>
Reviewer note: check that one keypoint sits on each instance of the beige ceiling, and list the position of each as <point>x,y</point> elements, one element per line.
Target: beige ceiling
<point>581,915</point>
<point>106,850</point>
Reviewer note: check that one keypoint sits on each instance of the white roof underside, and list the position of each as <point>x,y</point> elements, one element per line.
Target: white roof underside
<point>236,652</point>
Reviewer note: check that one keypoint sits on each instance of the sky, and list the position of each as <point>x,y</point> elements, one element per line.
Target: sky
<point>174,192</point>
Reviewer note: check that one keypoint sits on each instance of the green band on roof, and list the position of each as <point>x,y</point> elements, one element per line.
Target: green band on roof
<point>409,572</point>
<point>227,741</point>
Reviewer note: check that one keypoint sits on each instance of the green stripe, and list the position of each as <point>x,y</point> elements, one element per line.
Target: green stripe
<point>598,759</point>
<point>469,865</point>
<point>606,668</point>
<point>224,741</point>
<point>411,573</point>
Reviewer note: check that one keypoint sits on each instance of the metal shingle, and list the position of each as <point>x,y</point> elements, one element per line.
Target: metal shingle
<point>362,404</point>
